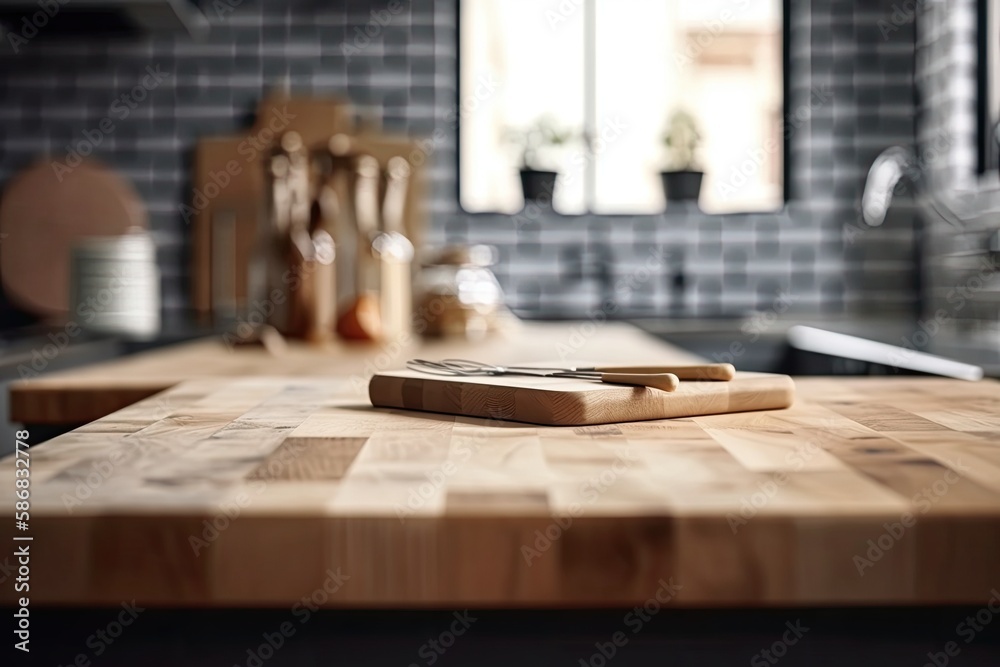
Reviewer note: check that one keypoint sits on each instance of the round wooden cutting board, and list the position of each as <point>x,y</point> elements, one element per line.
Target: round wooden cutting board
<point>42,217</point>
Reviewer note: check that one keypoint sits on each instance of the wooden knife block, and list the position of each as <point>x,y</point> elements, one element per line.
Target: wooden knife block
<point>237,162</point>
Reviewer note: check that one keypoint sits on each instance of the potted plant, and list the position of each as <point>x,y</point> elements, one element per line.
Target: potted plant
<point>537,184</point>
<point>682,182</point>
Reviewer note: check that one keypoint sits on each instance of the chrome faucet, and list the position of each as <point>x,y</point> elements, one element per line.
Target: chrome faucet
<point>933,219</point>
<point>886,171</point>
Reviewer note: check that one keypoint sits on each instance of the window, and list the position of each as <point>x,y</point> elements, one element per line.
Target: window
<point>608,76</point>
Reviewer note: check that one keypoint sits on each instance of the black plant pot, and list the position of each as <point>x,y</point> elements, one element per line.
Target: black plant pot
<point>538,186</point>
<point>681,185</point>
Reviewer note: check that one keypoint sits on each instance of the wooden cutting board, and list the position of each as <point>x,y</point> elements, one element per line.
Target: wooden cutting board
<point>44,214</point>
<point>234,162</point>
<point>570,402</point>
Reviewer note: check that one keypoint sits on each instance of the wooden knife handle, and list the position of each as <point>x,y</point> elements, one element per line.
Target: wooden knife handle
<point>723,372</point>
<point>662,381</point>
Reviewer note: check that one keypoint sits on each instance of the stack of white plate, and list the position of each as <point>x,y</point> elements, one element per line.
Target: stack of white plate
<point>115,285</point>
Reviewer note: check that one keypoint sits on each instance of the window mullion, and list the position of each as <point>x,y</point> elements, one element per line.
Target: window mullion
<point>589,101</point>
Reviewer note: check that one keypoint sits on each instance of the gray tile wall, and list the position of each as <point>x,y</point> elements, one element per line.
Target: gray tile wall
<point>962,278</point>
<point>946,77</point>
<point>814,251</point>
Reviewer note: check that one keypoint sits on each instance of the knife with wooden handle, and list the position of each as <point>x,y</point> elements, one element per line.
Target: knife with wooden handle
<point>723,372</point>
<point>661,381</point>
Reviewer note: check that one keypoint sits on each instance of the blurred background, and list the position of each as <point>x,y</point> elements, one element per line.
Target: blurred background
<point>807,187</point>
<point>698,167</point>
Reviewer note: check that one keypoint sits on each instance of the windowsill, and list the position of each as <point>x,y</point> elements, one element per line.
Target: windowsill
<point>677,211</point>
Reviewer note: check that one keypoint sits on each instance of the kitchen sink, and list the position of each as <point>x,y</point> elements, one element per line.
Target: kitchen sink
<point>763,353</point>
<point>827,347</point>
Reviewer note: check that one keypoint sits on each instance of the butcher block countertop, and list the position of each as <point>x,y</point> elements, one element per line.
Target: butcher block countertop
<point>82,395</point>
<point>257,491</point>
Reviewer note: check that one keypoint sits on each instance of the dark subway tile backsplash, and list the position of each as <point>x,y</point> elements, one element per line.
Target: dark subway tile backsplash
<point>405,79</point>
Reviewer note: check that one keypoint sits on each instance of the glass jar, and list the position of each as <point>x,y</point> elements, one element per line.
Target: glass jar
<point>457,294</point>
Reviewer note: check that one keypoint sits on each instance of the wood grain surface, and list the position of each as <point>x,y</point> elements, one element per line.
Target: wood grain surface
<point>574,402</point>
<point>82,395</point>
<point>257,492</point>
